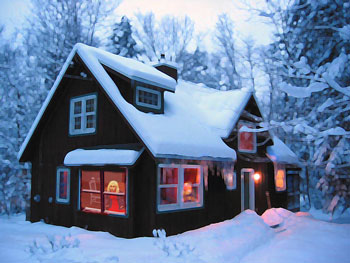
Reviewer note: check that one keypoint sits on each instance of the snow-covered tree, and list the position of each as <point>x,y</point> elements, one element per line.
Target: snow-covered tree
<point>309,59</point>
<point>198,68</point>
<point>226,57</point>
<point>54,27</point>
<point>121,42</point>
<point>170,36</point>
<point>17,105</point>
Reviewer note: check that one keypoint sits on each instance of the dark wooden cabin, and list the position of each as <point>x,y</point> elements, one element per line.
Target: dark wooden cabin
<point>98,163</point>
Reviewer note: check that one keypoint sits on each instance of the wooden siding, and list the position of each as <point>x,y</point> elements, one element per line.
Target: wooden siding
<point>51,142</point>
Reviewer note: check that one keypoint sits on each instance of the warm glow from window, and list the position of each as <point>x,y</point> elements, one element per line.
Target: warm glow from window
<point>179,187</point>
<point>280,180</point>
<point>103,192</point>
<point>257,177</point>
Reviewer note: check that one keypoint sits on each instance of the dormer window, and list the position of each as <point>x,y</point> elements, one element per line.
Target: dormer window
<point>82,117</point>
<point>148,98</point>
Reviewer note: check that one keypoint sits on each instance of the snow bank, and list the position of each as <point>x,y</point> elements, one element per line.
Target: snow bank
<point>230,240</point>
<point>275,216</point>
<point>245,238</point>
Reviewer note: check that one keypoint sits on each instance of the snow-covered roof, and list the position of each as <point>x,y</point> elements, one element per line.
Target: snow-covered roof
<point>80,157</point>
<point>132,69</point>
<point>281,153</point>
<point>219,110</point>
<point>195,118</point>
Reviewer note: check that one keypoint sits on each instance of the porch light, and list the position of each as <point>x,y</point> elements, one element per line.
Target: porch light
<point>256,177</point>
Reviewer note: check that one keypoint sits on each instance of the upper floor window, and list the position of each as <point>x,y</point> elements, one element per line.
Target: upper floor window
<point>246,140</point>
<point>179,187</point>
<point>148,98</point>
<point>82,117</point>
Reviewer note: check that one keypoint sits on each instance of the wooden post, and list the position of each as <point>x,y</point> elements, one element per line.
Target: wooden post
<point>268,199</point>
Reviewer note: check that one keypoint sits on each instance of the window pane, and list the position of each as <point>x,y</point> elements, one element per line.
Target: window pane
<point>246,139</point>
<point>168,195</point>
<point>190,193</point>
<point>115,182</point>
<point>77,123</point>
<point>148,97</point>
<point>192,175</point>
<point>90,121</point>
<point>90,202</point>
<point>90,180</point>
<point>169,176</point>
<point>90,105</point>
<point>115,203</point>
<point>63,185</point>
<point>77,107</point>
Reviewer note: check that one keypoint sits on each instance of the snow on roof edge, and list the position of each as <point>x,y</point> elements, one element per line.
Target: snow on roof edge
<point>47,101</point>
<point>202,158</point>
<point>133,77</point>
<point>236,117</point>
<point>281,153</point>
<point>102,157</point>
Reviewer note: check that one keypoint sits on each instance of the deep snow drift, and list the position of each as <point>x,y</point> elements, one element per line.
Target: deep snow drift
<point>246,238</point>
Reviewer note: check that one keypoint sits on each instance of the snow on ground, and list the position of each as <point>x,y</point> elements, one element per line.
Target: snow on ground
<point>246,238</point>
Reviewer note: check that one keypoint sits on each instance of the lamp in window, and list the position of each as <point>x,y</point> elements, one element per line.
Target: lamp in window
<point>280,177</point>
<point>188,193</point>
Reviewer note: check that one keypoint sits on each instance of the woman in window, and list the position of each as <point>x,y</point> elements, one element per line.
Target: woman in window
<point>112,203</point>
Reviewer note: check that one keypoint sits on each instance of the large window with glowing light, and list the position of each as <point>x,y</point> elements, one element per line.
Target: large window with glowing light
<point>82,115</point>
<point>62,185</point>
<point>246,140</point>
<point>104,192</point>
<point>179,187</point>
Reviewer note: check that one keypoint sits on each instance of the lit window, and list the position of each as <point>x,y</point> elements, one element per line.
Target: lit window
<point>82,119</point>
<point>104,192</point>
<point>280,177</point>
<point>148,98</point>
<point>62,185</point>
<point>246,140</point>
<point>180,187</point>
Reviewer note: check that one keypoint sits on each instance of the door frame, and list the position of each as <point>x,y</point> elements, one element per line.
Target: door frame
<point>251,188</point>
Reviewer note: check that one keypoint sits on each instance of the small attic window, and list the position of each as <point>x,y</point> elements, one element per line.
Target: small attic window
<point>148,98</point>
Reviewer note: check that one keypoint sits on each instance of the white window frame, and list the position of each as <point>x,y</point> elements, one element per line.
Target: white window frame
<point>83,115</point>
<point>251,188</point>
<point>245,123</point>
<point>58,199</point>
<point>180,205</point>
<point>156,92</point>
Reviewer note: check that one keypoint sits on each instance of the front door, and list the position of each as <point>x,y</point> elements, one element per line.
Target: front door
<point>247,189</point>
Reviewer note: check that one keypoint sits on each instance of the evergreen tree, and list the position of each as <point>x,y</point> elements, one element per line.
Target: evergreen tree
<point>122,42</point>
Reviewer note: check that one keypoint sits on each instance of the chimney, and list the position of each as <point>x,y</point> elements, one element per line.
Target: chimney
<point>166,67</point>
